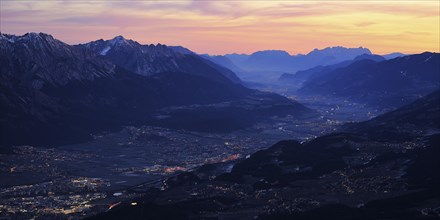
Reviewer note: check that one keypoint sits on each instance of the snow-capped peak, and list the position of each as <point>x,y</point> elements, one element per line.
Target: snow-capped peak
<point>118,40</point>
<point>36,39</point>
<point>7,37</point>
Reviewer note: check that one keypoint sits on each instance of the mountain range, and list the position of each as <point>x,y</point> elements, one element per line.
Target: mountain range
<point>149,60</point>
<point>388,83</point>
<point>418,118</point>
<point>268,65</point>
<point>55,93</point>
<point>278,60</point>
<point>321,70</point>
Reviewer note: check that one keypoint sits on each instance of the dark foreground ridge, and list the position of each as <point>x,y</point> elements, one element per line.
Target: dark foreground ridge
<point>349,175</point>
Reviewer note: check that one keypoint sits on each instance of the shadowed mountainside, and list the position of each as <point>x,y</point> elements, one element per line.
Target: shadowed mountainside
<point>390,83</point>
<point>342,175</point>
<point>54,93</point>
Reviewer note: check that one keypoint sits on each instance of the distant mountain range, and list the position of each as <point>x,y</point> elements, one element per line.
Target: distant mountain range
<point>223,61</point>
<point>278,60</point>
<point>266,66</point>
<point>393,55</point>
<point>320,70</point>
<point>55,93</point>
<point>262,66</point>
<point>388,83</point>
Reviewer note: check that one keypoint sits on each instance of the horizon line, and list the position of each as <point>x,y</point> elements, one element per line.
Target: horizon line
<point>210,54</point>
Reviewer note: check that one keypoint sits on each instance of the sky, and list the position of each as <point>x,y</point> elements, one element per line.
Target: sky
<point>234,26</point>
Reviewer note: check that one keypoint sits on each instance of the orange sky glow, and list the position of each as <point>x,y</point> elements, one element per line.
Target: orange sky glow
<point>241,26</point>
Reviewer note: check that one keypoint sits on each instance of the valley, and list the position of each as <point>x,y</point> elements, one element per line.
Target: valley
<point>116,129</point>
<point>79,180</point>
<point>362,172</point>
<point>82,179</point>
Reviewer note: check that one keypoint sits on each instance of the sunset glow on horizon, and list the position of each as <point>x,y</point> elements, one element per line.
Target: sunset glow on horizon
<point>219,27</point>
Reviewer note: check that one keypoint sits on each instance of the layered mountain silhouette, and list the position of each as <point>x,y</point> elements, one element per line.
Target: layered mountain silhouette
<point>55,93</point>
<point>317,71</point>
<point>389,83</point>
<point>393,55</point>
<point>278,60</point>
<point>269,60</point>
<point>418,118</point>
<point>223,61</point>
<point>268,65</point>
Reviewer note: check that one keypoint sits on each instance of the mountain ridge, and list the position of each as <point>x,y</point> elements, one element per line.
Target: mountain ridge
<point>303,75</point>
<point>392,82</point>
<point>55,93</point>
<point>149,60</point>
<point>267,66</point>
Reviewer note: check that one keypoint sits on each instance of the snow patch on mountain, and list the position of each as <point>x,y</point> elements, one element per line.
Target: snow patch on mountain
<point>105,51</point>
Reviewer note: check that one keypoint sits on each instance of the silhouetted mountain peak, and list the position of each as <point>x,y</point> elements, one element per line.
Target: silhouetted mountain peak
<point>149,60</point>
<point>266,59</point>
<point>373,57</point>
<point>32,36</point>
<point>105,46</point>
<point>343,53</point>
<point>36,40</point>
<point>37,57</point>
<point>120,40</point>
<point>119,44</point>
<point>340,48</point>
<point>393,55</point>
<point>271,53</point>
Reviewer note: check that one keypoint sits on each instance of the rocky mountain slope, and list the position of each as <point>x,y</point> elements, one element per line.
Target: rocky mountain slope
<point>54,93</point>
<point>149,60</point>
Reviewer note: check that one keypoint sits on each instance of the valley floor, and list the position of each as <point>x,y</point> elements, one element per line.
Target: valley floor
<point>83,179</point>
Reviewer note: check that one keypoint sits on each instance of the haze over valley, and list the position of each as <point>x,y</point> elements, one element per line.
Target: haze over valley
<point>98,121</point>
